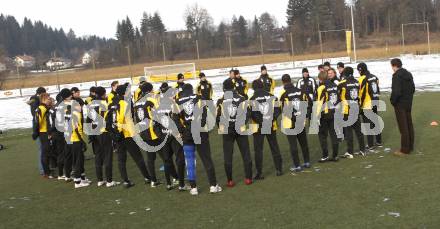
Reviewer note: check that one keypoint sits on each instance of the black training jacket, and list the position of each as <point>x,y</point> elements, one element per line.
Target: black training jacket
<point>403,89</point>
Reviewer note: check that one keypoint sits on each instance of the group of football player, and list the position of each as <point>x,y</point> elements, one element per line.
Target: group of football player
<point>175,122</point>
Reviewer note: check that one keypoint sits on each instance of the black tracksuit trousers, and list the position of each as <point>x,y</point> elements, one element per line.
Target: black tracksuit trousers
<point>406,128</point>
<point>128,144</point>
<point>204,151</point>
<point>348,135</point>
<point>78,163</point>
<point>172,146</point>
<point>68,160</point>
<point>274,148</point>
<point>59,148</point>
<point>326,127</point>
<point>371,138</point>
<point>45,151</point>
<point>151,160</point>
<point>302,139</point>
<point>104,157</point>
<point>228,148</point>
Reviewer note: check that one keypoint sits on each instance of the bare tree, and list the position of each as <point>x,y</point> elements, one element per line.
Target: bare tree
<point>197,19</point>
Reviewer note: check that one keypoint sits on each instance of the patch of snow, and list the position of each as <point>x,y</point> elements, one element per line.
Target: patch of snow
<point>15,113</point>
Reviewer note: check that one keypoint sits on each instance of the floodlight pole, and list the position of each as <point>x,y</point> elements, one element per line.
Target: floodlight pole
<point>429,42</point>
<point>291,47</point>
<point>230,46</point>
<point>94,70</point>
<point>403,39</point>
<point>320,44</point>
<point>261,47</point>
<point>58,78</point>
<point>197,49</point>
<point>354,36</point>
<point>163,52</point>
<point>129,59</point>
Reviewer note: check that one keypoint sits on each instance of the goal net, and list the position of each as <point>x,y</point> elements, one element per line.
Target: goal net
<point>169,72</point>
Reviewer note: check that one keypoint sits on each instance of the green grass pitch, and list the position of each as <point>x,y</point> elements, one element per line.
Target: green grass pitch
<point>356,193</point>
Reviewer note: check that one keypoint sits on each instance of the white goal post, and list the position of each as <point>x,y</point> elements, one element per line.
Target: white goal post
<point>425,26</point>
<point>169,72</point>
<point>347,40</point>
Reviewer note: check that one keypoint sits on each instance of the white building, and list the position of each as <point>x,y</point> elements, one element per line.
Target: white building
<point>58,63</point>
<point>180,34</point>
<point>2,67</point>
<point>25,61</point>
<point>89,56</point>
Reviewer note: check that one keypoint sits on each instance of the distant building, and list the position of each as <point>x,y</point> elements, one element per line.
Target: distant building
<point>88,57</point>
<point>180,34</point>
<point>58,63</point>
<point>279,35</point>
<point>25,61</point>
<point>2,67</point>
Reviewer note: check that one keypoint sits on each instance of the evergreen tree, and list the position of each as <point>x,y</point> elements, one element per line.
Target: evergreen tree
<point>256,29</point>
<point>157,25</point>
<point>242,30</point>
<point>220,36</point>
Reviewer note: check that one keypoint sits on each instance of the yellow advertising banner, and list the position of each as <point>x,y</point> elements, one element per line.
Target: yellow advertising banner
<point>348,38</point>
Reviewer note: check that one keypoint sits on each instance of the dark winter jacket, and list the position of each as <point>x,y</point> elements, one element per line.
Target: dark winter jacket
<point>264,103</point>
<point>403,89</point>
<point>232,108</point>
<point>34,102</point>
<point>188,102</point>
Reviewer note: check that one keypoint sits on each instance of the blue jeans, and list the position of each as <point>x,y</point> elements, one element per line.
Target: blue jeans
<point>40,165</point>
<point>190,158</point>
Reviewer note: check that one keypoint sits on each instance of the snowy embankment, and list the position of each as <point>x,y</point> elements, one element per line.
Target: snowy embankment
<point>15,113</point>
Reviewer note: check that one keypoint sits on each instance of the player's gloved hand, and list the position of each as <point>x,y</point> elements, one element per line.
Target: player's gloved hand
<point>34,136</point>
<point>83,147</point>
<point>92,138</point>
<point>119,137</point>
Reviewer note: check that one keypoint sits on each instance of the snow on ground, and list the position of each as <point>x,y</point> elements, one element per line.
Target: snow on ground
<point>15,113</point>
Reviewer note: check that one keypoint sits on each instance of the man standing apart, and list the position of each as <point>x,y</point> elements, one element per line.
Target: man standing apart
<point>402,94</point>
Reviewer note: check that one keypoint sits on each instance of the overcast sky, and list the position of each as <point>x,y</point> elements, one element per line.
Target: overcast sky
<point>96,17</point>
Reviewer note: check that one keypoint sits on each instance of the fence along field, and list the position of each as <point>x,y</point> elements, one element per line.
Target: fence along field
<point>201,65</point>
<point>169,73</point>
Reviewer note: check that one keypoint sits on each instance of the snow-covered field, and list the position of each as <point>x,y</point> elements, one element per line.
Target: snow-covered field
<point>15,113</point>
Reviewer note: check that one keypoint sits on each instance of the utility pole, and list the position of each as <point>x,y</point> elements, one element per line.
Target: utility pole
<point>129,59</point>
<point>429,42</point>
<point>261,47</point>
<point>230,46</point>
<point>403,39</point>
<point>291,48</point>
<point>320,44</point>
<point>197,49</point>
<point>94,70</point>
<point>163,52</point>
<point>58,78</point>
<point>354,33</point>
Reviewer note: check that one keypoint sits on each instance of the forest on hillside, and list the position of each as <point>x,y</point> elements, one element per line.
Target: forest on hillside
<point>149,40</point>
